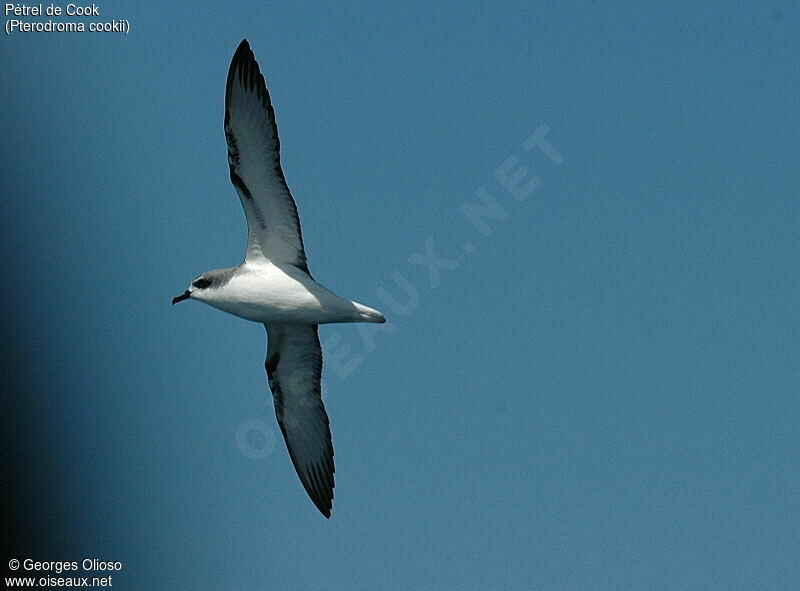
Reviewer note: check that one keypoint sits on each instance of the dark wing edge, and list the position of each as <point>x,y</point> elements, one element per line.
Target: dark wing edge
<point>294,372</point>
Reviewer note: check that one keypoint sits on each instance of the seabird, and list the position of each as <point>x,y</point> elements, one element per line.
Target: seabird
<point>273,285</point>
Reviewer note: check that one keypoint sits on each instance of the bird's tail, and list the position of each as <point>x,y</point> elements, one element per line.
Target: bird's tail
<point>368,314</point>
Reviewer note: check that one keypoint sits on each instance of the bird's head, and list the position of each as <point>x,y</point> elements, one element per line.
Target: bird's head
<point>201,287</point>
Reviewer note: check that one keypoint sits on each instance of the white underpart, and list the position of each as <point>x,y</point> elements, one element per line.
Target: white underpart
<point>263,292</point>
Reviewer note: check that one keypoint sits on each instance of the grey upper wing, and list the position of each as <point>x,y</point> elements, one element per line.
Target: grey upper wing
<point>273,226</point>
<point>294,370</point>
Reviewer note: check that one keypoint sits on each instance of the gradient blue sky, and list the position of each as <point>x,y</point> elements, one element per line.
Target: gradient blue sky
<point>602,394</point>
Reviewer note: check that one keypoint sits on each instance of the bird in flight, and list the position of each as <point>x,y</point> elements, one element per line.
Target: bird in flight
<point>273,285</point>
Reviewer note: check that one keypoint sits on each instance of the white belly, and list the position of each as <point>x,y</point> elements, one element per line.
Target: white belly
<point>269,294</point>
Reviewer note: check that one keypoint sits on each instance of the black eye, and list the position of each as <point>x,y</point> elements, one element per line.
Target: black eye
<point>201,282</point>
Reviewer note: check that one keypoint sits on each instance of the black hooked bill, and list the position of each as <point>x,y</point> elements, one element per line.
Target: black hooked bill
<point>184,296</point>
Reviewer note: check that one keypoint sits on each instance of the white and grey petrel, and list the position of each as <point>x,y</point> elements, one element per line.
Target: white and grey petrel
<point>273,285</point>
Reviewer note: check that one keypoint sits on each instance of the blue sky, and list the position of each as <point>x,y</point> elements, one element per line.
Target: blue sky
<point>595,387</point>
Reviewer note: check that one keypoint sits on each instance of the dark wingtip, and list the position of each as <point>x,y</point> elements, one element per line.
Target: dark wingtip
<point>323,500</point>
<point>245,66</point>
<point>243,46</point>
<point>242,53</point>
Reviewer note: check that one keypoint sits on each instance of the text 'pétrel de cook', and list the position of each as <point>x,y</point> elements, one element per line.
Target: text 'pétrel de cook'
<point>51,10</point>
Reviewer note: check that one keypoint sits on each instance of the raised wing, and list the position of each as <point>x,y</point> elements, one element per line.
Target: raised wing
<point>273,227</point>
<point>294,370</point>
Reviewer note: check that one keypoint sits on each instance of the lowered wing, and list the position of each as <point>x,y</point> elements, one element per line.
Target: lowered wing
<point>294,370</point>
